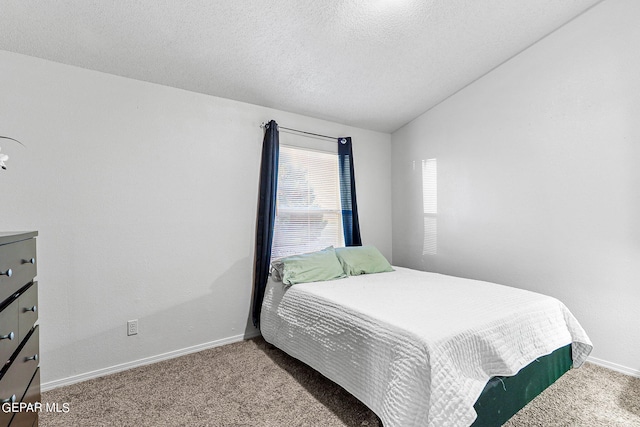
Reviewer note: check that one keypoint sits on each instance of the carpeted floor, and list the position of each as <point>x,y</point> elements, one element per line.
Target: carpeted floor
<point>253,384</point>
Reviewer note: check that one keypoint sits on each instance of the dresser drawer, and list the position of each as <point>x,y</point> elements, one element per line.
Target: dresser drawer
<point>9,332</point>
<point>16,320</point>
<point>15,381</point>
<point>17,266</point>
<point>27,310</point>
<point>28,417</point>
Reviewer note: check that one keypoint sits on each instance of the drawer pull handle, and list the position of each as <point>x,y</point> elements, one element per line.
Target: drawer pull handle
<point>7,273</point>
<point>9,336</point>
<point>11,399</point>
<point>29,261</point>
<point>34,309</point>
<point>34,358</point>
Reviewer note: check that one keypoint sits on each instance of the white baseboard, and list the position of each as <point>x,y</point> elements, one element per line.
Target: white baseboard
<point>146,361</point>
<point>614,366</point>
<point>193,349</point>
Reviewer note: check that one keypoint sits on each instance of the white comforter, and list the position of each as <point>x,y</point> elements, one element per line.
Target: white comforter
<point>417,347</point>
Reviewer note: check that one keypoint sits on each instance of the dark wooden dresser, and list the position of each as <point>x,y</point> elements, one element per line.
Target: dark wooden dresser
<point>19,341</point>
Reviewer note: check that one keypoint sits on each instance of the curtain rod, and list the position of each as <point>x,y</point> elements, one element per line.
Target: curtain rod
<point>263,125</point>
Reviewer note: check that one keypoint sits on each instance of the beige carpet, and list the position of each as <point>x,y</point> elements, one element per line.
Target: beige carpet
<point>252,384</point>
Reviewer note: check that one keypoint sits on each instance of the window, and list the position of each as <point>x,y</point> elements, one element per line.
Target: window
<point>308,210</point>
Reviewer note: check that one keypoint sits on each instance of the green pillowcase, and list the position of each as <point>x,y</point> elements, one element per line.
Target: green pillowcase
<point>310,267</point>
<point>358,260</point>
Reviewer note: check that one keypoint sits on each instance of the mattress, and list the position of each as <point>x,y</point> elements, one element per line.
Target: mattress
<point>416,347</point>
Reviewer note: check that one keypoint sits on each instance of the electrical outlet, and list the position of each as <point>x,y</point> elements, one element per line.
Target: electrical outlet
<point>132,327</point>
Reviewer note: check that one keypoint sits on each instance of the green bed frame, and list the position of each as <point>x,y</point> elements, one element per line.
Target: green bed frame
<point>502,397</point>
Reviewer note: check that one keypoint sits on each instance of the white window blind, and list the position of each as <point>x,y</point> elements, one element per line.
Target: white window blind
<point>308,211</point>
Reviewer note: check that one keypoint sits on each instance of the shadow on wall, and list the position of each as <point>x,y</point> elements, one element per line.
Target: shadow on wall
<point>197,315</point>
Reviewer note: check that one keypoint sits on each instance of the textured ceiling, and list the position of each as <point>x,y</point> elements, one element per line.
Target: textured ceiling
<point>374,64</point>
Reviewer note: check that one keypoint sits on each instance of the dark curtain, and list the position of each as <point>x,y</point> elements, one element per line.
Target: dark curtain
<point>350,221</point>
<point>266,215</point>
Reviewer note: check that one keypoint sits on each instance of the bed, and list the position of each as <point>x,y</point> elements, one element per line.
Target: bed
<point>420,348</point>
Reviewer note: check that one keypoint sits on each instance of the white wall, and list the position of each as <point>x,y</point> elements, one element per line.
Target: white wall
<point>539,177</point>
<point>145,200</point>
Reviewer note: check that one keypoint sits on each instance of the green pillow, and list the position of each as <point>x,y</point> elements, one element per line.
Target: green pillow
<point>310,267</point>
<point>358,260</point>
